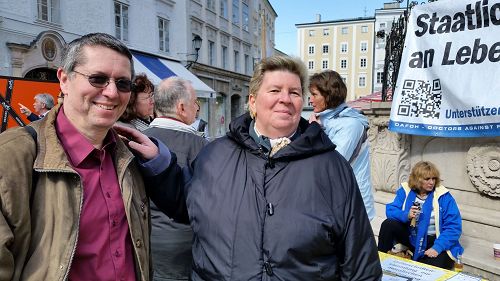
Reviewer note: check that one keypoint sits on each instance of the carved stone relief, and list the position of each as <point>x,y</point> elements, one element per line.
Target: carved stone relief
<point>483,168</point>
<point>389,153</point>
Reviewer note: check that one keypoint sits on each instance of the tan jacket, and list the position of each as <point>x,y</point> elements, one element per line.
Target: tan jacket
<point>38,239</point>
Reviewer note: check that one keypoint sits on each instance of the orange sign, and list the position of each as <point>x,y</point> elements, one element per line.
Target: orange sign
<point>15,90</point>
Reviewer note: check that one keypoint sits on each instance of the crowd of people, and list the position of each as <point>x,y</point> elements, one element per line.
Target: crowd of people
<point>120,182</point>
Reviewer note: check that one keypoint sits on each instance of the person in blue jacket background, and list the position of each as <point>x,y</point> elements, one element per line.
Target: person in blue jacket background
<point>424,217</point>
<point>346,128</point>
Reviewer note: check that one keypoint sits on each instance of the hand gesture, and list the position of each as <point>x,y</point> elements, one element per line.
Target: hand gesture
<point>24,110</point>
<point>314,118</point>
<point>137,141</point>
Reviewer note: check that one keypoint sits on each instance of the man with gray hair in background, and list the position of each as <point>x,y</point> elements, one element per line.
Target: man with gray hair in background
<point>175,106</point>
<point>43,103</point>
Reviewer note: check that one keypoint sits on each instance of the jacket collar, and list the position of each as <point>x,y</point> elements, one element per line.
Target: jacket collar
<point>309,139</point>
<point>50,153</point>
<point>173,124</point>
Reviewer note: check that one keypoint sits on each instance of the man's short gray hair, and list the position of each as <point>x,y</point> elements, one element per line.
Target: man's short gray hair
<point>73,52</point>
<point>46,99</point>
<point>169,93</point>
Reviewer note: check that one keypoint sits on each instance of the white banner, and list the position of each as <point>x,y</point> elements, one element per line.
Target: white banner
<point>449,79</point>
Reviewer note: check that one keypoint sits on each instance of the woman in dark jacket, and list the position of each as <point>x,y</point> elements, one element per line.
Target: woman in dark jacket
<point>273,200</point>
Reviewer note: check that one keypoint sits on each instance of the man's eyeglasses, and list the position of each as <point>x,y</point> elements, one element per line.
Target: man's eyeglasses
<point>101,81</point>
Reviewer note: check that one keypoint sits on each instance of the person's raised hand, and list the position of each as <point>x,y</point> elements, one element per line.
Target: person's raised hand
<point>137,141</point>
<point>24,110</point>
<point>314,118</point>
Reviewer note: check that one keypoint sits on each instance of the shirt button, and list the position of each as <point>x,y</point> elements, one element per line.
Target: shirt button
<point>138,243</point>
<point>268,268</point>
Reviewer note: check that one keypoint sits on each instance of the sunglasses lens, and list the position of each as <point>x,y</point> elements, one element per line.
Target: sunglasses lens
<point>124,85</point>
<point>98,81</point>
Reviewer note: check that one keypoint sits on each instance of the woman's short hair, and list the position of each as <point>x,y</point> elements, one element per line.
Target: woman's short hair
<point>423,170</point>
<point>283,63</point>
<point>141,84</point>
<point>331,86</point>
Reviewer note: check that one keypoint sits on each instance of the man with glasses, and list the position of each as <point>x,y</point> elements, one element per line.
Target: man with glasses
<point>74,203</point>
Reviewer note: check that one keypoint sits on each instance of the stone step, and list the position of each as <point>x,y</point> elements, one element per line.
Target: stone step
<point>478,258</point>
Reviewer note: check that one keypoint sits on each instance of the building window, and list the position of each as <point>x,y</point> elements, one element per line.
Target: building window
<point>311,33</point>
<point>345,30</point>
<point>325,49</point>
<point>163,35</point>
<point>382,25</point>
<point>380,76</point>
<point>326,32</point>
<point>362,63</point>
<point>343,47</point>
<point>362,81</point>
<point>223,8</point>
<point>224,57</point>
<point>211,5</point>
<point>236,61</point>
<point>211,53</point>
<point>310,65</point>
<point>121,21</point>
<point>364,29</point>
<point>343,63</point>
<point>311,50</point>
<point>364,46</point>
<point>344,79</point>
<point>246,18</point>
<point>247,64</point>
<point>236,12</point>
<point>324,64</point>
<point>48,10</point>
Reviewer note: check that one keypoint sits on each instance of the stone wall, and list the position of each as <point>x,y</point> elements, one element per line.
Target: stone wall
<point>470,169</point>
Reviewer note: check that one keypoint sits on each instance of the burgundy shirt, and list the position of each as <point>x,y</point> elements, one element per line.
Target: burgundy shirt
<point>104,247</point>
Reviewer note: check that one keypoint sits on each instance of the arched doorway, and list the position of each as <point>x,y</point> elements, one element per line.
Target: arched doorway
<point>42,73</point>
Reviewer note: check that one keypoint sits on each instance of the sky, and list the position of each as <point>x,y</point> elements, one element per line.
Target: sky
<point>291,12</point>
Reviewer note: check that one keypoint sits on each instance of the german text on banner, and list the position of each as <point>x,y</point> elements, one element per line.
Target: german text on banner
<point>449,79</point>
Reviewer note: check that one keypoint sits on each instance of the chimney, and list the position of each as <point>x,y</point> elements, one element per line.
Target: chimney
<point>318,17</point>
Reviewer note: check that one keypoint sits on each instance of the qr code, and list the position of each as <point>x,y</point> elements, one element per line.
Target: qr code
<point>421,98</point>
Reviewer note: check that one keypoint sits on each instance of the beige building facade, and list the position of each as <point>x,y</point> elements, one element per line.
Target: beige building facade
<point>345,46</point>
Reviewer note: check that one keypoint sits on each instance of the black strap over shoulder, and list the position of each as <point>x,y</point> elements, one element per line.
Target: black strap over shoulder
<point>32,132</point>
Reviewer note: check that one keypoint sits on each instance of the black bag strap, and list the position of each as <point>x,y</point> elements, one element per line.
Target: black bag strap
<point>34,179</point>
<point>356,151</point>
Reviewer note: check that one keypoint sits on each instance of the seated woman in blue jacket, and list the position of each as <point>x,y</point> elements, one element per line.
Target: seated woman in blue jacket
<point>424,217</point>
